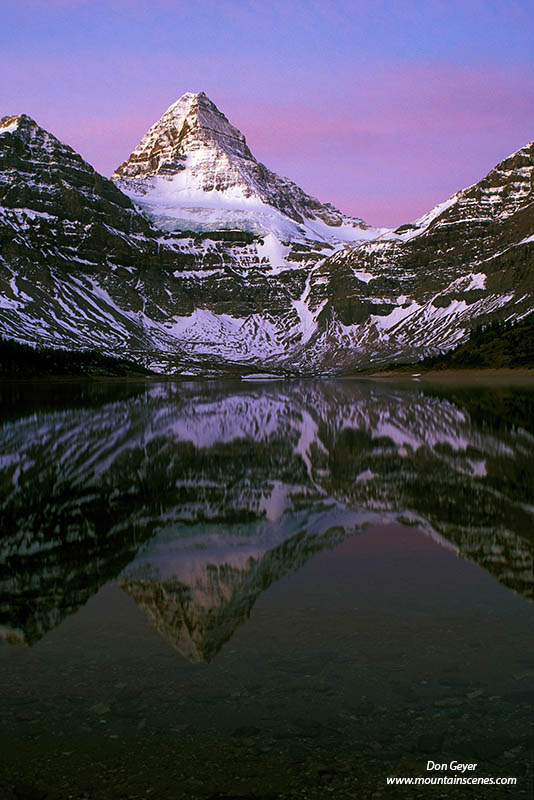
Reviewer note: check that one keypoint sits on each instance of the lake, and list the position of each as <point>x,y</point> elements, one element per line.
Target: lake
<point>279,590</point>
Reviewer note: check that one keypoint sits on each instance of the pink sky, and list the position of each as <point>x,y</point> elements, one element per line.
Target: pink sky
<point>382,112</point>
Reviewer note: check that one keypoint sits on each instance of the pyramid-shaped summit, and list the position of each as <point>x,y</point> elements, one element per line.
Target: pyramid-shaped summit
<point>193,170</point>
<point>192,123</point>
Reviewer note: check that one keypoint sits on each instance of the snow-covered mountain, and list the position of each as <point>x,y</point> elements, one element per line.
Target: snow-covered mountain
<point>194,171</point>
<point>80,268</point>
<point>83,264</point>
<point>200,496</point>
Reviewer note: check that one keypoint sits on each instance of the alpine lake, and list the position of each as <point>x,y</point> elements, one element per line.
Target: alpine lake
<point>282,590</point>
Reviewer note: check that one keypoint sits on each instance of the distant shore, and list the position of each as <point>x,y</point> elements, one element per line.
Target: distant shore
<point>479,376</point>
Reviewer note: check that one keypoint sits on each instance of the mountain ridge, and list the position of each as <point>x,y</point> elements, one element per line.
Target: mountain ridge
<point>84,266</point>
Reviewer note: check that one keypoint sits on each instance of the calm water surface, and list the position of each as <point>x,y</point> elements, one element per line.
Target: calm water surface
<point>285,590</point>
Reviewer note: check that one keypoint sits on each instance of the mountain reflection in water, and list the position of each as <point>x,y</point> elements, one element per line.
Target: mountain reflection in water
<point>196,497</point>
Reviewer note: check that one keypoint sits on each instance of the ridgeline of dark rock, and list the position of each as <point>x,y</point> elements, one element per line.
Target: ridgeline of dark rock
<point>467,262</point>
<point>57,197</point>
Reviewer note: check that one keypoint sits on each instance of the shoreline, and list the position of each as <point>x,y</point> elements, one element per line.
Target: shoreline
<point>504,374</point>
<point>483,376</point>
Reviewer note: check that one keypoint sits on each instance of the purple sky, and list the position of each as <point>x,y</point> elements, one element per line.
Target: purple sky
<point>382,108</point>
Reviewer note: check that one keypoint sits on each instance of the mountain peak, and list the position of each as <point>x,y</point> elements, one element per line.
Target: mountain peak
<point>9,124</point>
<point>193,158</point>
<point>32,134</point>
<point>23,128</point>
<point>190,103</point>
<point>191,97</point>
<point>190,125</point>
<point>507,188</point>
<point>39,145</point>
<point>42,178</point>
<point>14,122</point>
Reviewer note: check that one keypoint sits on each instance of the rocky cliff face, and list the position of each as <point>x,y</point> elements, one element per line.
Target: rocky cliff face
<point>200,497</point>
<point>82,264</point>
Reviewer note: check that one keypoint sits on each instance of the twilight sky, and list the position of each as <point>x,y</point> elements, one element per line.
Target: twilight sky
<point>383,108</point>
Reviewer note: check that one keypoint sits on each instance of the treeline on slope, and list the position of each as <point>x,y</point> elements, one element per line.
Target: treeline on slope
<point>498,344</point>
<point>25,361</point>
